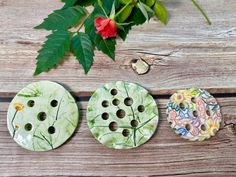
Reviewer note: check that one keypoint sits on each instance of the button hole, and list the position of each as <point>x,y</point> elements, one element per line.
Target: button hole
<point>28,127</point>
<point>113,126</point>
<point>141,108</point>
<point>51,130</point>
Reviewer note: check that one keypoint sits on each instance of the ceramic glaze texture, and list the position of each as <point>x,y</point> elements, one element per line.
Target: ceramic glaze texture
<point>42,116</point>
<point>194,114</point>
<point>122,115</point>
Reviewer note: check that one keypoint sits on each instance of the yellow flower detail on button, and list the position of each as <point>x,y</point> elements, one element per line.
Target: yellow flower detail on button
<point>211,127</point>
<point>177,98</point>
<point>180,96</point>
<point>18,106</point>
<point>186,95</point>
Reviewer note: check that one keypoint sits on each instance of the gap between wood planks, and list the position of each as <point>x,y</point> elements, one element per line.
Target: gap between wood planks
<point>86,98</point>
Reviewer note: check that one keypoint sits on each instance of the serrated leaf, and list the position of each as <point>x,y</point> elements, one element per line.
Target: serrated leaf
<point>89,23</point>
<point>160,12</point>
<point>82,48</point>
<point>53,51</point>
<point>107,46</point>
<point>63,18</point>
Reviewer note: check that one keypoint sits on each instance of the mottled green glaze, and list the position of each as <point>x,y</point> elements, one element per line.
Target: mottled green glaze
<point>146,121</point>
<point>42,133</point>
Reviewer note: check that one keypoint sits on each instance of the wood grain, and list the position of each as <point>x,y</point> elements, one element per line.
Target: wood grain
<point>166,154</point>
<point>185,53</point>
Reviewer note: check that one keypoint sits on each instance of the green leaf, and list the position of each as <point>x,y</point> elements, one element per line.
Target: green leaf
<point>82,48</point>
<point>124,1</point>
<point>63,18</point>
<point>85,2</point>
<point>53,51</point>
<point>150,3</point>
<point>107,5</point>
<point>89,24</point>
<point>107,46</point>
<point>148,9</point>
<point>137,17</point>
<point>143,10</point>
<point>113,11</point>
<point>160,12</point>
<point>100,3</point>
<point>124,32</point>
<point>69,3</point>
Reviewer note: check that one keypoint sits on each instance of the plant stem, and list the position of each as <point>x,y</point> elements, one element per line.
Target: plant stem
<point>121,10</point>
<point>100,4</point>
<point>79,26</point>
<point>12,121</point>
<point>203,13</point>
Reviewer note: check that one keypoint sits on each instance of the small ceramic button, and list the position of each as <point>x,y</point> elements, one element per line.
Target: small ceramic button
<point>42,116</point>
<point>122,115</point>
<point>140,66</point>
<point>194,114</point>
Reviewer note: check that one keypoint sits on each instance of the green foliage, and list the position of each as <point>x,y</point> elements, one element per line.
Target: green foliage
<point>124,13</point>
<point>63,18</point>
<point>85,3</point>
<point>53,51</point>
<point>107,46</point>
<point>82,48</point>
<point>160,12</point>
<point>69,3</point>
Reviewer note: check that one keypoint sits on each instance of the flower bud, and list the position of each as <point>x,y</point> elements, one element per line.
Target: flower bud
<point>150,3</point>
<point>126,13</point>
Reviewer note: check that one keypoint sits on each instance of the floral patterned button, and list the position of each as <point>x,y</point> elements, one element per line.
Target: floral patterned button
<point>42,116</point>
<point>194,114</point>
<point>122,115</point>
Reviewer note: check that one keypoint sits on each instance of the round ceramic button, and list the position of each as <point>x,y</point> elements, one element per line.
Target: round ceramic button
<point>122,115</point>
<point>42,116</point>
<point>194,114</point>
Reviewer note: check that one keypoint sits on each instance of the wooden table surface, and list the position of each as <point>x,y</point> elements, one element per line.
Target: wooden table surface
<point>185,53</point>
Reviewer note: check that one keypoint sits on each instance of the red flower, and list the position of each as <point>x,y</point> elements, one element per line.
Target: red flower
<point>106,27</point>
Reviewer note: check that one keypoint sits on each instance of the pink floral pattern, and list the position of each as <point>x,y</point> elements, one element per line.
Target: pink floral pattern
<point>194,114</point>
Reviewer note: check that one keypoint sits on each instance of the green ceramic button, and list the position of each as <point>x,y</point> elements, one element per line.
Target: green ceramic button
<point>42,116</point>
<point>122,115</point>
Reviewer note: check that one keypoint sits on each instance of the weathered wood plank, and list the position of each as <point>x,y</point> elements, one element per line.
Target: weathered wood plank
<point>186,53</point>
<point>165,154</point>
